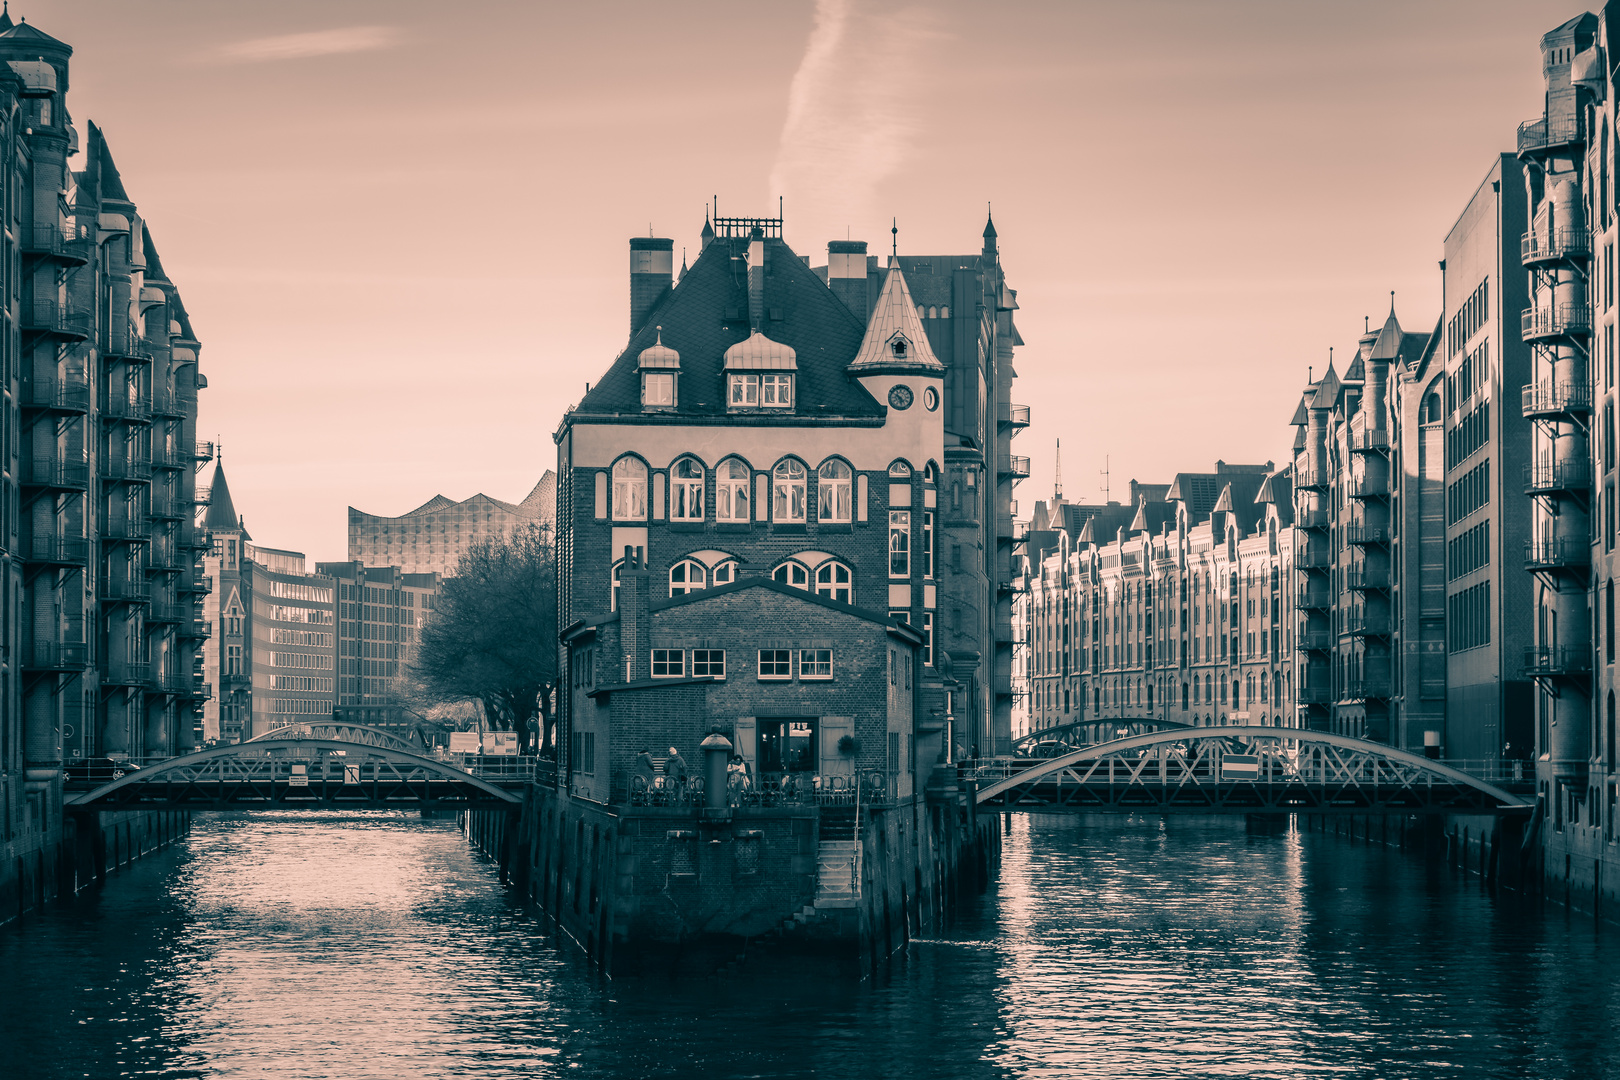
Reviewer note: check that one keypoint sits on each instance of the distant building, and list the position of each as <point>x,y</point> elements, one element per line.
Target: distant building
<point>432,538</point>
<point>292,659</point>
<point>380,615</point>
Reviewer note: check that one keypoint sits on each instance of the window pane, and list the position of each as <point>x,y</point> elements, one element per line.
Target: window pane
<point>899,543</point>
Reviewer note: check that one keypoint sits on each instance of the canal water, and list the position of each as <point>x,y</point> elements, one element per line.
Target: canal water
<point>294,947</point>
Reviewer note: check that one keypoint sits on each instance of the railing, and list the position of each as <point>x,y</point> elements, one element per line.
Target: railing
<point>59,395</point>
<point>1017,467</point>
<point>1016,416</point>
<point>57,655</point>
<point>67,550</point>
<point>1555,399</point>
<point>49,317</point>
<point>1366,622</point>
<point>126,528</point>
<point>166,458</point>
<point>1368,487</point>
<point>1312,519</point>
<point>1555,321</point>
<point>1560,660</point>
<point>197,628</point>
<point>61,240</point>
<point>1369,439</point>
<point>68,475</point>
<point>1571,474</point>
<point>121,407</point>
<point>205,451</point>
<point>127,591</point>
<point>167,508</point>
<point>203,583</point>
<point>116,674</point>
<point>1539,136</point>
<point>1376,687</point>
<point>1556,554</point>
<point>163,612</point>
<point>123,469</point>
<point>1312,480</point>
<point>127,345</point>
<point>1362,535</point>
<point>1313,556</point>
<point>1310,598</point>
<point>1363,578</point>
<point>1556,245</point>
<point>167,403</point>
<point>1314,695</point>
<point>1315,641</point>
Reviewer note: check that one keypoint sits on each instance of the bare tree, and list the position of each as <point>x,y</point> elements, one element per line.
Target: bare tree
<point>493,636</point>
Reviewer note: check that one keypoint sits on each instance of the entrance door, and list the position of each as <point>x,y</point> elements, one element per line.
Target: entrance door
<point>787,746</point>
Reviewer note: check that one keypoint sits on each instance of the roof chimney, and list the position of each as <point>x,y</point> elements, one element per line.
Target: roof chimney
<point>846,275</point>
<point>652,269</point>
<point>756,280</point>
<point>635,585</point>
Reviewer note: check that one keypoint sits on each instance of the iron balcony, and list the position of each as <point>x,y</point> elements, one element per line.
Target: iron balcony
<point>125,592</point>
<point>202,583</point>
<point>1313,556</point>
<point>1554,247</point>
<point>1367,578</point>
<point>1315,695</point>
<point>62,475</point>
<point>1373,688</point>
<point>162,611</point>
<point>165,508</point>
<point>127,472</point>
<point>59,241</point>
<point>127,675</point>
<point>1015,417</point>
<point>1555,400</point>
<point>1557,322</point>
<point>1551,662</point>
<point>196,628</point>
<point>1368,487</point>
<point>1554,477</point>
<point>1312,519</point>
<point>1016,467</point>
<point>1308,480</point>
<point>1312,599</point>
<point>1558,554</point>
<point>67,395</point>
<point>1369,440</point>
<point>1315,641</point>
<point>126,530</point>
<point>58,550</point>
<point>59,320</point>
<point>1365,622</point>
<point>125,410</point>
<point>168,405</point>
<point>1366,535</point>
<point>57,656</point>
<point>166,458</point>
<point>126,346</point>
<point>1544,136</point>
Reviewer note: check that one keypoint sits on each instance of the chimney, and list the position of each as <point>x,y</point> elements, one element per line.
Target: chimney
<point>634,589</point>
<point>846,275</point>
<point>652,269</point>
<point>756,280</point>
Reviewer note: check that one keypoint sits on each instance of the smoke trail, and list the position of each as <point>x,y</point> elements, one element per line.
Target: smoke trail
<point>853,113</point>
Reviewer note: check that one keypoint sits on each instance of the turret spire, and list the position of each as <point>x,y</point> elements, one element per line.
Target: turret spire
<point>1057,474</point>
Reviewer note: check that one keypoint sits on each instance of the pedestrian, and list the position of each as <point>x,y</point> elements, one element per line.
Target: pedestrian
<point>644,767</point>
<point>675,767</point>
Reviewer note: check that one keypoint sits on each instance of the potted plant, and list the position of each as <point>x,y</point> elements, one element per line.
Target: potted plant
<point>847,745</point>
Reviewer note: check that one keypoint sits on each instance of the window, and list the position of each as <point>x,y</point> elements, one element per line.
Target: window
<point>618,576</point>
<point>788,487</point>
<point>658,389</point>
<point>744,389</point>
<point>731,491</point>
<point>686,491</point>
<point>926,555</point>
<point>233,659</point>
<point>833,492</point>
<point>833,582</point>
<point>900,543</point>
<point>709,662</point>
<point>815,663</point>
<point>668,663</point>
<point>775,664</point>
<point>927,629</point>
<point>724,573</point>
<point>686,576</point>
<point>794,574</point>
<point>776,391</point>
<point>629,490</point>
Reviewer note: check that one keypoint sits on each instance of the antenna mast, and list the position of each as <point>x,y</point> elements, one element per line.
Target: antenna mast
<point>1104,473</point>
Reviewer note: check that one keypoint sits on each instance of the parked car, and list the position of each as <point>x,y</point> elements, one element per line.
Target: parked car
<point>98,770</point>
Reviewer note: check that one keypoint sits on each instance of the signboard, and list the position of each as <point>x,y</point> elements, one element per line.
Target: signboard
<point>500,743</point>
<point>1240,767</point>
<point>351,773</point>
<point>299,777</point>
<point>1239,715</point>
<point>464,742</point>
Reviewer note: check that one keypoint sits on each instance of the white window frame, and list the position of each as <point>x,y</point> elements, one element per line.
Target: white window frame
<point>832,586</point>
<point>723,572</point>
<point>686,492</point>
<point>835,492</point>
<point>900,553</point>
<point>714,661</point>
<point>742,390</point>
<point>615,580</point>
<point>777,656</point>
<point>788,491</point>
<point>673,662</point>
<point>629,489</point>
<point>658,389</point>
<point>733,501</point>
<point>788,571</point>
<point>688,566</point>
<point>926,555</point>
<point>776,390</point>
<point>818,669</point>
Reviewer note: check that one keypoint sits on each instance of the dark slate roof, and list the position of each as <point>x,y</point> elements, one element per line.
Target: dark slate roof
<point>30,36</point>
<point>110,185</point>
<point>1301,416</point>
<point>1327,391</point>
<point>1356,372</point>
<point>221,511</point>
<point>707,313</point>
<point>1388,345</point>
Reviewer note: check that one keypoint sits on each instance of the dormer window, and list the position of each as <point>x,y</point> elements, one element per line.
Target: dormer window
<point>900,347</point>
<point>658,389</point>
<point>773,390</point>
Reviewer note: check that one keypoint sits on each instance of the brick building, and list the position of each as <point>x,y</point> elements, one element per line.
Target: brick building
<point>432,538</point>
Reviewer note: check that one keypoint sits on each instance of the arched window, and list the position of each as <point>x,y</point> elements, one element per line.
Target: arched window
<point>794,574</point>
<point>1184,698</point>
<point>629,489</point>
<point>835,582</point>
<point>724,572</point>
<point>1235,701</point>
<point>686,576</point>
<point>686,490</point>
<point>945,312</point>
<point>833,487</point>
<point>1150,697</point>
<point>731,490</point>
<point>1223,692</point>
<point>788,491</point>
<point>900,470</point>
<point>933,312</point>
<point>1265,690</point>
<point>613,595</point>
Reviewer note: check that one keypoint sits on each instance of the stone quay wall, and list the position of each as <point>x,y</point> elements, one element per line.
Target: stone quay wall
<point>84,851</point>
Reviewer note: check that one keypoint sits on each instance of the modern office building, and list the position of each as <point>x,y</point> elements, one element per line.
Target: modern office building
<point>292,655</point>
<point>432,538</point>
<point>380,615</point>
<point>99,371</point>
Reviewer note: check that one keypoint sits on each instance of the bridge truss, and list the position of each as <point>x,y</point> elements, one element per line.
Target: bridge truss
<point>340,731</point>
<point>1240,770</point>
<point>293,773</point>
<point>1052,741</point>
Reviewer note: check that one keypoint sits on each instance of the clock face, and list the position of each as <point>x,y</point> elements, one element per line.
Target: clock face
<point>900,397</point>
<point>930,399</point>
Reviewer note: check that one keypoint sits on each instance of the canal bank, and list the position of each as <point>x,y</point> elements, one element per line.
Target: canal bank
<point>42,866</point>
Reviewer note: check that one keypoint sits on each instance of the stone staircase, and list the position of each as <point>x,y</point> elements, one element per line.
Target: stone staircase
<point>838,858</point>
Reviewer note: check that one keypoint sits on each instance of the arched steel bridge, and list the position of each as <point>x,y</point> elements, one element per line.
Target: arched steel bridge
<point>1049,742</point>
<point>297,773</point>
<point>340,731</point>
<point>1240,770</point>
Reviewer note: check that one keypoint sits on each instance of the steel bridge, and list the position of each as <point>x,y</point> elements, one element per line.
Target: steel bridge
<point>1245,770</point>
<point>339,731</point>
<point>289,772</point>
<point>1052,741</point>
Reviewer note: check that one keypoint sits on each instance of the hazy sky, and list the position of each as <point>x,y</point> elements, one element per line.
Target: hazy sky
<point>401,227</point>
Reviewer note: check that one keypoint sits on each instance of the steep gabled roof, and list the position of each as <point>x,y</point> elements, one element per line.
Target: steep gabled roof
<point>221,514</point>
<point>31,37</point>
<point>1388,345</point>
<point>110,185</point>
<point>707,313</point>
<point>1327,391</point>
<point>895,339</point>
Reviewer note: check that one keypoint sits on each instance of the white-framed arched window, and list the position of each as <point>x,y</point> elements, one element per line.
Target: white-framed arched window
<point>835,582</point>
<point>900,470</point>
<point>833,491</point>
<point>794,574</point>
<point>787,491</point>
<point>724,572</point>
<point>629,489</point>
<point>613,594</point>
<point>731,479</point>
<point>686,490</point>
<point>687,575</point>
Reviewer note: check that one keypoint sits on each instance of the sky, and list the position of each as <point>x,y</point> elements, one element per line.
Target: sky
<point>401,228</point>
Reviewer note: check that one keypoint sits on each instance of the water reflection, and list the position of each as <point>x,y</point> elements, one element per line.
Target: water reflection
<point>357,946</point>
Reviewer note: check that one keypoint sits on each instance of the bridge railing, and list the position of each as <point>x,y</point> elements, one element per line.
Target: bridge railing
<point>1276,765</point>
